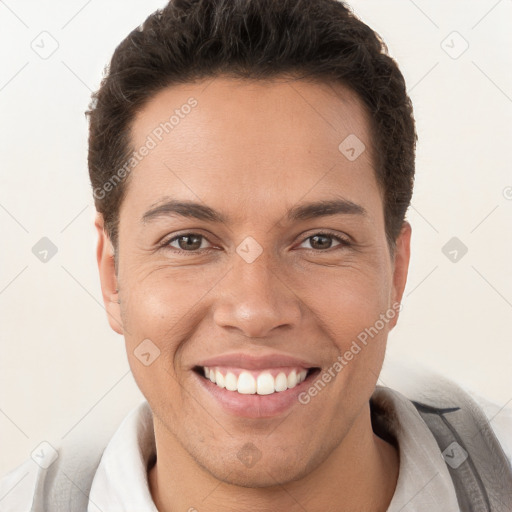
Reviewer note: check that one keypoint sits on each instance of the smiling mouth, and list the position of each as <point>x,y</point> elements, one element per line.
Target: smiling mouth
<point>250,382</point>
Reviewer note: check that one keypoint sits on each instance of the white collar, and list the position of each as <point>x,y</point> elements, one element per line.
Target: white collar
<point>120,483</point>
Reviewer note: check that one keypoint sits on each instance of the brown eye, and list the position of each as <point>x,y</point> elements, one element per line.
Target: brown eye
<point>320,241</point>
<point>188,242</point>
<point>324,241</point>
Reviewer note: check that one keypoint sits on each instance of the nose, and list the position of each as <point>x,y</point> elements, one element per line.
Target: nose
<point>255,299</point>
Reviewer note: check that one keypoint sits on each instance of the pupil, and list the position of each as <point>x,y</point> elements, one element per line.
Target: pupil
<point>325,241</point>
<point>195,244</point>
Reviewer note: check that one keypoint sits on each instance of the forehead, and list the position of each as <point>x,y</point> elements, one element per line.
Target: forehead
<point>263,107</point>
<point>254,140</point>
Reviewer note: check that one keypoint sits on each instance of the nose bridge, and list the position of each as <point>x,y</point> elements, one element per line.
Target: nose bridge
<point>255,298</point>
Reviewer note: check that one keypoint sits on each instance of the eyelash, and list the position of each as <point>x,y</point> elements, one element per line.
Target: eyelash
<point>344,243</point>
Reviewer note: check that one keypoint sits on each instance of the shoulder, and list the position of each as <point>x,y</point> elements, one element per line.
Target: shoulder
<point>18,488</point>
<point>423,385</point>
<point>500,419</point>
<point>61,474</point>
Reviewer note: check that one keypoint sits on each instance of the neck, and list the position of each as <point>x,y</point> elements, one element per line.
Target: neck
<point>360,474</point>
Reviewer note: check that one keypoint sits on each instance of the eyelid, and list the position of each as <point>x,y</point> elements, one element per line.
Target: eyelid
<point>344,240</point>
<point>164,243</point>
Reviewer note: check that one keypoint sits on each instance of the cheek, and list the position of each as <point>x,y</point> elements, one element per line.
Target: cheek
<point>345,300</point>
<point>166,307</point>
<point>347,306</point>
<point>161,300</point>
<point>158,316</point>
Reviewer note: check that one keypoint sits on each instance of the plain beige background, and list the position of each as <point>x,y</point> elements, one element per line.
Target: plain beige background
<point>63,372</point>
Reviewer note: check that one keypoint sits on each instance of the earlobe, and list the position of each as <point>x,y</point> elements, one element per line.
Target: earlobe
<point>105,256</point>
<point>401,265</point>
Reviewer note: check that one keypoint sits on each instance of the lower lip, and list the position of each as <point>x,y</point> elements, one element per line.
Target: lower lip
<point>255,406</point>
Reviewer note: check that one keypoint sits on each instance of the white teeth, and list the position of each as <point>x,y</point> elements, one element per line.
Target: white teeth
<point>281,383</point>
<point>246,384</point>
<point>263,384</point>
<point>292,379</point>
<point>219,379</point>
<point>231,382</point>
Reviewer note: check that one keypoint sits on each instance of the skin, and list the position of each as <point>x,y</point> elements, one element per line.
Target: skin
<point>252,151</point>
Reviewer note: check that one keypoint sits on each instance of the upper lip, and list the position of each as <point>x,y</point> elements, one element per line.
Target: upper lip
<point>251,362</point>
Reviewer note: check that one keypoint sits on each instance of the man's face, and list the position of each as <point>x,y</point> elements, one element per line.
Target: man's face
<point>267,291</point>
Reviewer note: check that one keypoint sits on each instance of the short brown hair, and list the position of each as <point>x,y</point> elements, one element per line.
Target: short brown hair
<point>190,40</point>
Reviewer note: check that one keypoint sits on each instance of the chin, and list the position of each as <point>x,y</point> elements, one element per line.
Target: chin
<point>243,471</point>
<point>257,478</point>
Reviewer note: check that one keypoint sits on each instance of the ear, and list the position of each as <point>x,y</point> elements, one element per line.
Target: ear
<point>109,286</point>
<point>400,266</point>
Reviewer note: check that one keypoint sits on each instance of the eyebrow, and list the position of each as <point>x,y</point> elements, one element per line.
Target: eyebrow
<point>182,208</point>
<point>325,207</point>
<point>191,209</point>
